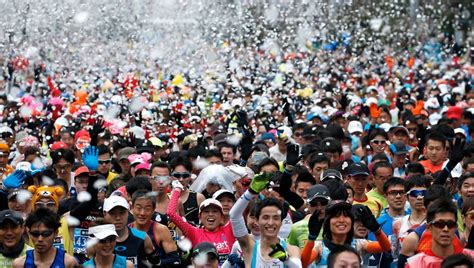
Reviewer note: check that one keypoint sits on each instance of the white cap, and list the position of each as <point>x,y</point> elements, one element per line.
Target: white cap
<point>386,126</point>
<point>115,201</point>
<point>460,131</point>
<point>355,126</point>
<point>220,192</point>
<point>432,103</point>
<point>210,202</point>
<point>4,129</point>
<point>103,231</point>
<point>434,118</point>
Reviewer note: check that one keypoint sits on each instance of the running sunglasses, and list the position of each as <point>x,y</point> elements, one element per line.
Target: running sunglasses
<point>416,193</point>
<point>441,224</point>
<point>104,162</point>
<point>37,234</point>
<point>180,175</point>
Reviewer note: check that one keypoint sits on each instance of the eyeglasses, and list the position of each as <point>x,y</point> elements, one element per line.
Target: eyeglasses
<point>104,162</point>
<point>45,204</point>
<point>412,129</point>
<point>395,193</point>
<point>45,234</point>
<point>379,142</point>
<point>441,224</point>
<point>109,239</point>
<point>179,175</point>
<point>416,193</point>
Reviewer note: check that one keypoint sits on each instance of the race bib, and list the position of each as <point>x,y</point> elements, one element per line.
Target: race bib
<point>80,239</point>
<point>58,242</point>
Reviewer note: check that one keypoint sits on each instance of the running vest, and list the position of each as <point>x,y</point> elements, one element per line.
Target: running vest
<point>151,232</point>
<point>259,261</point>
<point>119,261</point>
<point>191,209</point>
<point>57,263</point>
<point>133,248</point>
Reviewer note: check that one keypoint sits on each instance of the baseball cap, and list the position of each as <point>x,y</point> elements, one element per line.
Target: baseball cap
<point>355,126</point>
<point>156,142</point>
<point>454,112</point>
<point>12,216</point>
<point>115,201</point>
<point>210,202</point>
<point>102,231</point>
<point>124,153</point>
<point>310,131</point>
<point>336,206</point>
<point>396,129</point>
<point>460,131</point>
<point>81,170</point>
<point>398,147</point>
<point>81,133</point>
<point>205,248</point>
<point>58,145</point>
<point>222,192</point>
<point>331,174</point>
<point>358,169</point>
<point>318,191</point>
<point>142,166</point>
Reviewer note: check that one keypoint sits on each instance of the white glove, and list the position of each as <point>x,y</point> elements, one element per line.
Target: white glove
<point>177,185</point>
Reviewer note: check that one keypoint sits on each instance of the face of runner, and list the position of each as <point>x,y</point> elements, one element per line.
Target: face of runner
<point>11,234</point>
<point>378,144</point>
<point>210,262</point>
<point>160,179</point>
<point>42,237</point>
<point>117,216</point>
<point>340,224</point>
<point>270,221</point>
<point>63,168</point>
<point>104,163</point>
<point>252,224</point>
<point>182,174</point>
<point>227,155</point>
<point>143,209</point>
<point>443,228</point>
<point>435,151</point>
<point>396,197</point>
<point>347,259</point>
<point>416,201</point>
<point>81,182</point>
<point>226,203</point>
<point>105,247</point>
<point>467,189</point>
<point>211,218</point>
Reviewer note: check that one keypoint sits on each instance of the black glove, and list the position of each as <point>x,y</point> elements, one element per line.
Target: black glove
<point>456,154</point>
<point>292,154</point>
<point>246,148</point>
<point>368,219</point>
<point>314,226</point>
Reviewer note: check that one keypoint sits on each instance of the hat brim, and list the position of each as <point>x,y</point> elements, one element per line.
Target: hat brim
<point>360,173</point>
<point>106,233</point>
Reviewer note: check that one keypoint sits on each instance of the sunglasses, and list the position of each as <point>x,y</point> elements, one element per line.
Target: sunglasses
<point>179,175</point>
<point>379,142</point>
<point>322,202</point>
<point>109,239</point>
<point>297,134</point>
<point>395,193</point>
<point>441,224</point>
<point>104,162</point>
<point>162,179</point>
<point>412,129</point>
<point>416,193</point>
<point>45,234</point>
<point>45,205</point>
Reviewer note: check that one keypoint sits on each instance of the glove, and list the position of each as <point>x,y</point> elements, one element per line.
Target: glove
<point>14,180</point>
<point>368,219</point>
<point>278,252</point>
<point>235,260</point>
<point>98,127</point>
<point>456,154</point>
<point>314,226</point>
<point>90,158</point>
<point>177,185</point>
<point>246,148</point>
<point>292,154</point>
<point>259,182</point>
<point>154,258</point>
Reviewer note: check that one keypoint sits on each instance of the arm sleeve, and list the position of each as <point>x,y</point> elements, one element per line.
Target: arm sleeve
<point>291,197</point>
<point>172,258</point>
<point>308,255</point>
<point>382,244</point>
<point>236,215</point>
<point>188,229</point>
